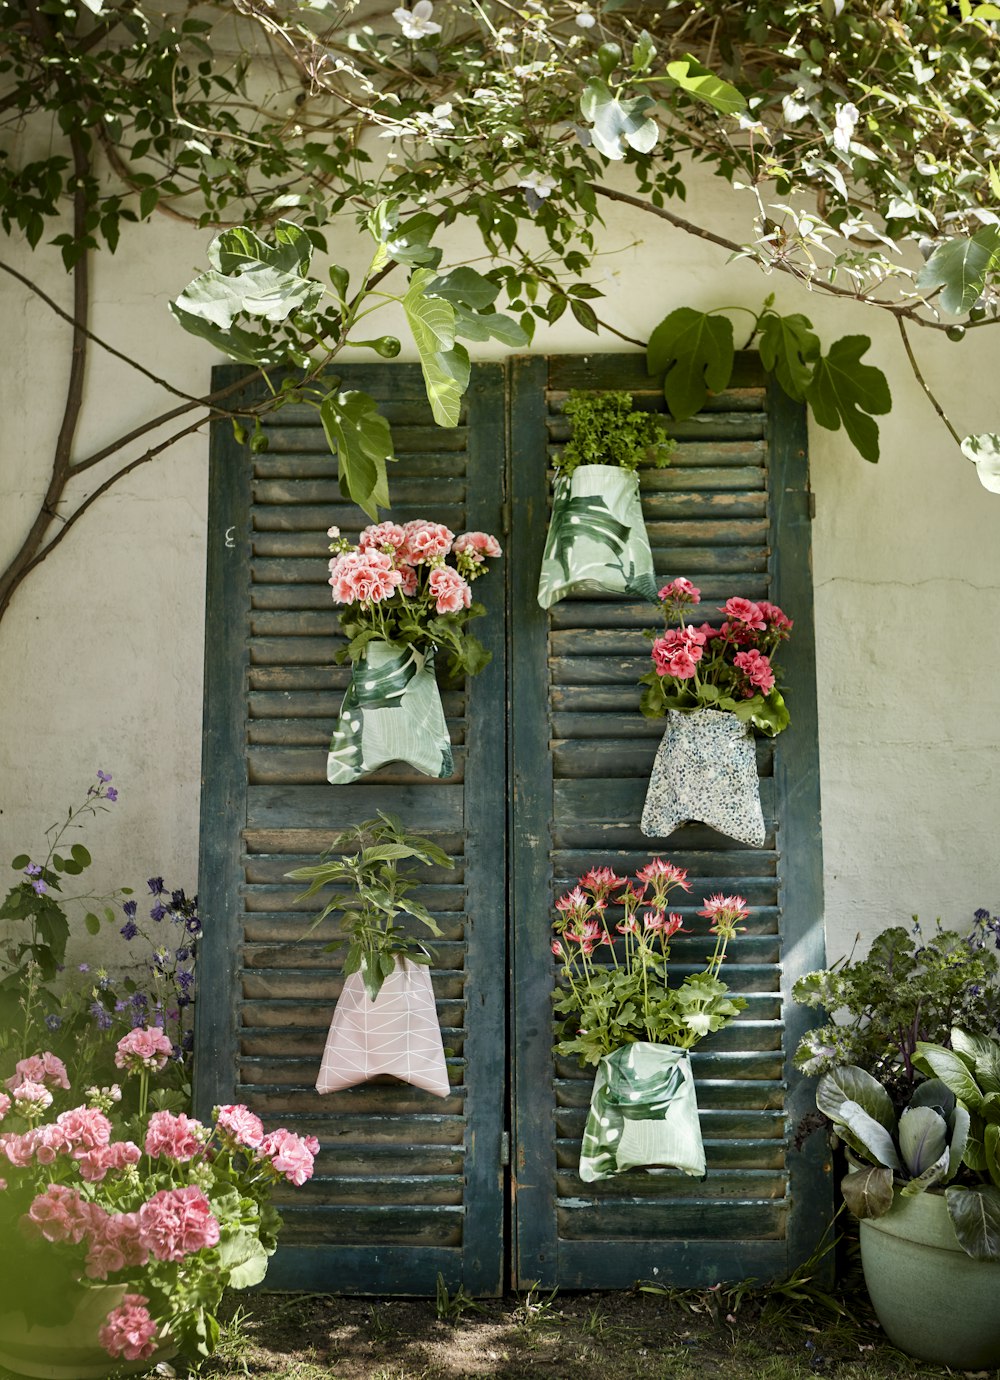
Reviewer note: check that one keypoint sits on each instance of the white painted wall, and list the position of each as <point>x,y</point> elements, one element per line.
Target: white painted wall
<point>101,651</point>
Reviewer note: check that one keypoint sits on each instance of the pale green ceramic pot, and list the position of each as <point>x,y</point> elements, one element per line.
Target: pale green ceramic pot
<point>933,1301</point>
<point>71,1351</point>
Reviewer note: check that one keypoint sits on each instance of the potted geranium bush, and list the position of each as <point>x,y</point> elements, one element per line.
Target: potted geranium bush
<point>385,1020</point>
<point>120,1236</point>
<point>616,1008</point>
<point>597,539</point>
<point>715,685</point>
<point>406,596</point>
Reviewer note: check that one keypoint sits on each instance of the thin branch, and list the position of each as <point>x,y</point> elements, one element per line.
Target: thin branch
<point>922,381</point>
<point>178,392</point>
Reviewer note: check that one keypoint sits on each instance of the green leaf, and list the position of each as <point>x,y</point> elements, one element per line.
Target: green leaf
<point>92,923</point>
<point>643,52</point>
<point>991,1145</point>
<point>788,348</point>
<point>985,1055</point>
<point>868,1192</point>
<point>995,179</point>
<point>239,250</point>
<point>617,124</point>
<point>951,1069</point>
<point>81,855</point>
<point>960,268</point>
<point>698,81</point>
<point>975,1215</point>
<point>695,352</point>
<point>984,450</point>
<point>446,366</point>
<point>923,1138</point>
<point>359,435</point>
<point>236,342</point>
<point>848,1083</point>
<point>845,390</point>
<point>871,1133</point>
<point>408,243</point>
<point>488,325</point>
<point>265,291</point>
<point>20,862</point>
<point>464,287</point>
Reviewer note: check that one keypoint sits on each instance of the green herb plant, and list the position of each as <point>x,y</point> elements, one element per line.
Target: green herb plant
<point>606,430</point>
<point>906,989</point>
<point>376,892</point>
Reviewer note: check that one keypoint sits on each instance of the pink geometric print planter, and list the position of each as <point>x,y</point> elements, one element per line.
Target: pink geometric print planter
<point>397,1033</point>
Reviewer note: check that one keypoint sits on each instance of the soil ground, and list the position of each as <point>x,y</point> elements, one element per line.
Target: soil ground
<point>729,1334</point>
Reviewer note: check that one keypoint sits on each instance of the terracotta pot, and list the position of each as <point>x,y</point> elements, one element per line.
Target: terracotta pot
<point>933,1301</point>
<point>70,1350</point>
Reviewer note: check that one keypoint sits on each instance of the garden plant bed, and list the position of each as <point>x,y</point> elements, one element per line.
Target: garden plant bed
<point>680,1335</point>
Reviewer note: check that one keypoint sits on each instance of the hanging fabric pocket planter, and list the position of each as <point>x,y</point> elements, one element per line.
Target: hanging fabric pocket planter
<point>391,712</point>
<point>397,1033</point>
<point>597,538</point>
<point>706,770</point>
<point>643,1114</point>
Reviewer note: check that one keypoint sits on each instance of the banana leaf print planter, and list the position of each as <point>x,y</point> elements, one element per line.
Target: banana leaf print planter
<point>391,712</point>
<point>705,770</point>
<point>597,539</point>
<point>643,1114</point>
<point>397,1033</point>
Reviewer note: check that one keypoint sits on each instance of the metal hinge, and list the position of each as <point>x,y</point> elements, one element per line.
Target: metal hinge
<point>504,1148</point>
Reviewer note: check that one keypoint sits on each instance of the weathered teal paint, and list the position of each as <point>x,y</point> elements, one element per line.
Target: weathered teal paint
<point>551,760</point>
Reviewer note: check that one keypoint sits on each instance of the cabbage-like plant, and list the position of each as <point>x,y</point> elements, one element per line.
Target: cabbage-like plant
<point>925,1146</point>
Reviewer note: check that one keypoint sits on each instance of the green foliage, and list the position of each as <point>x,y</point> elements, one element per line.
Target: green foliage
<point>845,390</point>
<point>694,352</point>
<point>377,893</point>
<point>961,268</point>
<point>607,431</point>
<point>903,991</point>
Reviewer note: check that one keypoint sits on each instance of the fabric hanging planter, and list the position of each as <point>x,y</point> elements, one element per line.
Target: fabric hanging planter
<point>391,712</point>
<point>643,1113</point>
<point>397,1033</point>
<point>597,539</point>
<point>706,770</point>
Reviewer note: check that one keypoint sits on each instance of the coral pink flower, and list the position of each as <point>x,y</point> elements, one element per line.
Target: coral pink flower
<point>477,545</point>
<point>725,912</point>
<point>241,1125</point>
<point>677,652</point>
<point>45,1068</point>
<point>114,1244</point>
<point>386,537</point>
<point>654,920</point>
<point>178,1137</point>
<point>449,590</point>
<point>177,1222</point>
<point>601,881</point>
<point>4,1105</point>
<point>409,583</point>
<point>680,591</point>
<point>291,1155</point>
<point>674,925</point>
<point>757,668</point>
<point>745,611</point>
<point>660,871</point>
<point>556,948</point>
<point>129,1330</point>
<point>425,541</point>
<point>142,1048</point>
<point>19,1149</point>
<point>60,1213</point>
<point>363,577</point>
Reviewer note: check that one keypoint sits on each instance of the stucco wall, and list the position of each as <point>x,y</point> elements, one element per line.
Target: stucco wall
<point>101,650</point>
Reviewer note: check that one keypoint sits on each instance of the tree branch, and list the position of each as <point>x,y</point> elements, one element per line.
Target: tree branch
<point>922,381</point>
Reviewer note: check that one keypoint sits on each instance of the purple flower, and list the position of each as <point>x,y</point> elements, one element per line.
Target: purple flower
<point>39,887</point>
<point>53,1022</point>
<point>104,776</point>
<point>129,930</point>
<point>182,954</point>
<point>102,1017</point>
<point>32,870</point>
<point>139,1001</point>
<point>111,794</point>
<point>979,915</point>
<point>184,979</point>
<point>177,898</point>
<point>130,908</point>
<point>193,925</point>
<point>158,911</point>
<point>84,968</point>
<point>156,886</point>
<point>121,1005</point>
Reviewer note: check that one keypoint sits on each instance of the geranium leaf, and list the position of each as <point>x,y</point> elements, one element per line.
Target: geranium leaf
<point>694,351</point>
<point>845,390</point>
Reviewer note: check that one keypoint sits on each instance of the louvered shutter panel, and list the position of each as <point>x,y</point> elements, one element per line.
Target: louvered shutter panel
<point>407,1185</point>
<point>730,513</point>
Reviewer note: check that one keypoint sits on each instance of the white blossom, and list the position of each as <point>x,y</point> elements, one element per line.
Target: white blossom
<point>585,20</point>
<point>540,184</point>
<point>845,119</point>
<point>417,23</point>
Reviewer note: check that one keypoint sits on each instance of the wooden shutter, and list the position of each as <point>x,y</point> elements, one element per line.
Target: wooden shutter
<point>730,513</point>
<point>408,1186</point>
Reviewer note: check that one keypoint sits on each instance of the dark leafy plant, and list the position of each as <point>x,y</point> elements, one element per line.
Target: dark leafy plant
<point>606,430</point>
<point>377,892</point>
<point>903,991</point>
<point>948,1131</point>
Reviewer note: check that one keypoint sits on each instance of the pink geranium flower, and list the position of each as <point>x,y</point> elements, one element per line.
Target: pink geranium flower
<point>129,1330</point>
<point>291,1156</point>
<point>177,1222</point>
<point>757,669</point>
<point>176,1137</point>
<point>386,537</point>
<point>31,1099</point>
<point>241,1125</point>
<point>47,1069</point>
<point>147,1048</point>
<point>745,611</point>
<point>363,577</point>
<point>477,546</point>
<point>450,591</point>
<point>425,541</point>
